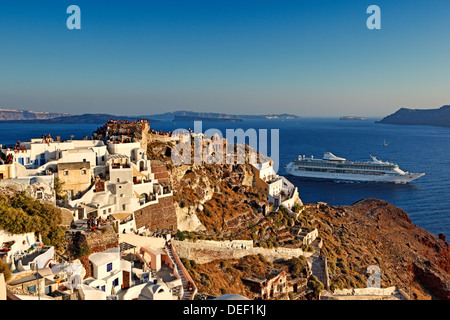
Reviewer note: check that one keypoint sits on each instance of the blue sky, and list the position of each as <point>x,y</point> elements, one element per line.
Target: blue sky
<point>311,58</point>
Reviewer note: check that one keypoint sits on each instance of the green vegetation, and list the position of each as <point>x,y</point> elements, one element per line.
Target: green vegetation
<point>298,266</point>
<point>22,214</point>
<point>82,250</point>
<point>188,264</point>
<point>60,194</point>
<point>183,235</point>
<point>205,280</point>
<point>315,284</point>
<point>307,248</point>
<point>224,264</point>
<point>297,208</point>
<point>262,258</point>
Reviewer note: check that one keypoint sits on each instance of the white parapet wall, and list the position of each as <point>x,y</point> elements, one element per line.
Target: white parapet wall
<point>204,251</point>
<point>389,293</point>
<point>366,291</point>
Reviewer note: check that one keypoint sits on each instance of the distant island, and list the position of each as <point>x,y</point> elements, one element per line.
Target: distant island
<point>83,118</point>
<point>216,117</point>
<point>205,119</point>
<point>12,115</point>
<point>351,118</point>
<point>430,117</point>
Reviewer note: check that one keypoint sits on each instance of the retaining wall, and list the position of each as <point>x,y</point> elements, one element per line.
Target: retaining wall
<point>205,251</point>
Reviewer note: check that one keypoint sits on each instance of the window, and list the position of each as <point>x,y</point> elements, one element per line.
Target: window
<point>83,172</point>
<point>116,282</point>
<point>66,173</point>
<point>109,266</point>
<point>39,195</point>
<point>48,290</point>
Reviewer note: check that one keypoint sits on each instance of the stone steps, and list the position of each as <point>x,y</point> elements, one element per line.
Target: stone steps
<point>187,295</point>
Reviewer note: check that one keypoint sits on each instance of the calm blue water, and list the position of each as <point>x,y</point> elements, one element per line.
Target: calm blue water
<point>413,148</point>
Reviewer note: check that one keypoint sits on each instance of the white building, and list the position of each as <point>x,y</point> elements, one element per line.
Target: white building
<point>157,290</point>
<point>14,244</point>
<point>268,181</point>
<point>279,190</point>
<point>38,152</point>
<point>128,188</point>
<point>107,273</point>
<point>127,149</point>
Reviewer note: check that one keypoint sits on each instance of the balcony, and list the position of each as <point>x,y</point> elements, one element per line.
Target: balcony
<point>120,166</point>
<point>146,198</point>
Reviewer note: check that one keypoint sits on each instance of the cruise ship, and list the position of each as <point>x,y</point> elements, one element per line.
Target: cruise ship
<point>331,167</point>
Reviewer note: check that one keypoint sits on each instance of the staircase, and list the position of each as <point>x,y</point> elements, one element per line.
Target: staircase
<point>187,294</point>
<point>319,269</point>
<point>318,265</point>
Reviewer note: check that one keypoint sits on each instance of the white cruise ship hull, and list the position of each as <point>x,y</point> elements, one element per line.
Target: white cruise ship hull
<point>390,178</point>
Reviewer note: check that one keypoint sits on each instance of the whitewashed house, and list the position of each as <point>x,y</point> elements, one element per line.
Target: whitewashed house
<point>107,275</point>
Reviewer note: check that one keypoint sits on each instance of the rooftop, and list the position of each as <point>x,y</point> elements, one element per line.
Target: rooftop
<point>101,258</point>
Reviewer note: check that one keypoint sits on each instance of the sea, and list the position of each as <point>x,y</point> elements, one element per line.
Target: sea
<point>413,148</point>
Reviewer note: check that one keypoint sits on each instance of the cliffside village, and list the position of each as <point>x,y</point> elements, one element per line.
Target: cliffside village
<point>121,204</point>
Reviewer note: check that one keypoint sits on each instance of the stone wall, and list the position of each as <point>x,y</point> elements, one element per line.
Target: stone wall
<point>160,171</point>
<point>97,241</point>
<point>102,240</point>
<point>159,216</point>
<point>207,251</point>
<point>389,293</point>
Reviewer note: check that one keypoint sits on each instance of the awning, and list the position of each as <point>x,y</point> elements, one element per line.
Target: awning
<point>121,216</point>
<point>137,173</point>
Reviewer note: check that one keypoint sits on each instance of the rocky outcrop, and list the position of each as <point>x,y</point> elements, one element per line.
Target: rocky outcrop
<point>430,117</point>
<point>211,197</point>
<point>433,278</point>
<point>375,232</point>
<point>39,190</point>
<point>206,195</point>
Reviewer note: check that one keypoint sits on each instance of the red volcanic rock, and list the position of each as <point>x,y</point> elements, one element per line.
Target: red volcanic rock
<point>373,231</point>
